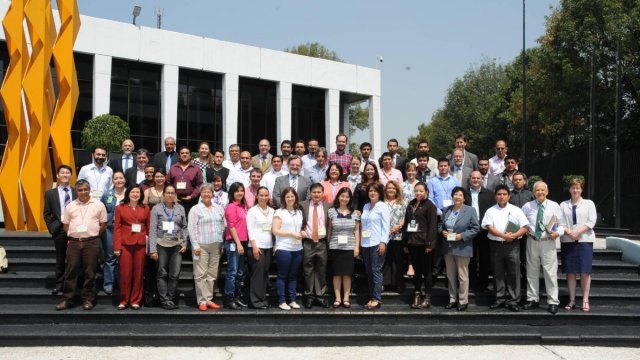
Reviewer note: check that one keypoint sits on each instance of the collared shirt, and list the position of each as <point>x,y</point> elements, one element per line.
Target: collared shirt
<point>364,162</point>
<point>440,190</point>
<point>259,226</point>
<point>499,218</point>
<point>139,176</point>
<point>496,165</point>
<point>392,175</point>
<point>90,214</point>
<point>236,215</point>
<point>269,179</point>
<point>343,159</point>
<point>231,165</point>
<point>425,175</point>
<point>321,220</point>
<point>126,162</point>
<point>376,221</point>
<point>220,198</point>
<point>308,160</point>
<point>239,175</point>
<point>585,215</point>
<point>99,179</point>
<point>161,214</point>
<point>551,210</point>
<point>317,174</point>
<point>474,200</point>
<point>62,194</point>
<point>250,193</point>
<point>191,176</point>
<point>520,197</point>
<point>407,191</point>
<point>206,225</point>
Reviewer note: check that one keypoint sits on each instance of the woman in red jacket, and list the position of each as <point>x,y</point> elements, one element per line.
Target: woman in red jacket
<point>130,230</point>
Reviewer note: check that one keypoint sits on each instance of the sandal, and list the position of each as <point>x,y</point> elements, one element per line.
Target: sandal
<point>346,304</point>
<point>571,305</point>
<point>336,304</point>
<point>585,306</point>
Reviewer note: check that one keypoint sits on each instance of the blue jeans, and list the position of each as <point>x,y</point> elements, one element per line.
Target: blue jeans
<point>373,263</point>
<point>236,268</point>
<point>110,270</point>
<point>288,264</point>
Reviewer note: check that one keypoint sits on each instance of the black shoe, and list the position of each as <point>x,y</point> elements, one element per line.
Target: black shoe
<point>169,305</point>
<point>553,308</point>
<point>531,305</point>
<point>450,305</point>
<point>230,303</point>
<point>263,307</point>
<point>463,307</point>
<point>56,291</point>
<point>513,307</point>
<point>308,302</point>
<point>238,300</point>
<point>322,302</point>
<point>497,304</point>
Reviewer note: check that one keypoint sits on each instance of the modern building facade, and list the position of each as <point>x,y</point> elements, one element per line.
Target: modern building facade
<point>165,83</point>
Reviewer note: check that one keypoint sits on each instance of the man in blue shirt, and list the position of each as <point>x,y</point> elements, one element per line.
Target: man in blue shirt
<point>440,186</point>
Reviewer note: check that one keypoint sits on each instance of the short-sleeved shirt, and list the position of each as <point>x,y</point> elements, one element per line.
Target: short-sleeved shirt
<point>259,226</point>
<point>342,225</point>
<point>292,222</point>
<point>499,218</point>
<point>90,214</point>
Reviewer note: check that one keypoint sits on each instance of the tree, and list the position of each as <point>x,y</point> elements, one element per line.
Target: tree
<point>105,130</point>
<point>358,120</point>
<point>314,49</point>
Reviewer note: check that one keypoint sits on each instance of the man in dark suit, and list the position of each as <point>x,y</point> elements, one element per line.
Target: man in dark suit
<point>122,162</point>
<point>480,199</point>
<point>165,159</point>
<point>315,247</point>
<point>293,179</point>
<point>398,161</point>
<point>135,174</point>
<point>54,202</point>
<point>469,160</point>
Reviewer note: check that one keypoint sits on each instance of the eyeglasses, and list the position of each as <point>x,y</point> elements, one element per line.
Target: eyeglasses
<point>500,148</point>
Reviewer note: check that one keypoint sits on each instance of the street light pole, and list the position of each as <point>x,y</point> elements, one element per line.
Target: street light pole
<point>524,93</point>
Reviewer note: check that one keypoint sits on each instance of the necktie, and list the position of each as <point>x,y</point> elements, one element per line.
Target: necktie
<point>168,164</point>
<point>459,175</point>
<point>127,164</point>
<point>484,181</point>
<point>67,196</point>
<point>294,183</point>
<point>263,167</point>
<point>314,234</point>
<point>539,221</point>
<point>573,214</point>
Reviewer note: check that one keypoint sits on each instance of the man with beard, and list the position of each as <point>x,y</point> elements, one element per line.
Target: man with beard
<point>97,174</point>
<point>341,156</point>
<point>218,169</point>
<point>300,183</point>
<point>489,181</point>
<point>285,150</point>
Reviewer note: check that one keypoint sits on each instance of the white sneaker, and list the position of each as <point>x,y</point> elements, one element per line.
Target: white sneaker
<point>284,306</point>
<point>294,305</point>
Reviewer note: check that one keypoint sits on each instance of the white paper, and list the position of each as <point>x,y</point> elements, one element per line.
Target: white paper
<point>167,226</point>
<point>343,239</point>
<point>266,227</point>
<point>451,236</point>
<point>181,185</point>
<point>136,228</point>
<point>366,233</point>
<point>81,228</point>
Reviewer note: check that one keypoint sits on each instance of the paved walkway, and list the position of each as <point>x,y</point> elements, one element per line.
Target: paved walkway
<point>488,352</point>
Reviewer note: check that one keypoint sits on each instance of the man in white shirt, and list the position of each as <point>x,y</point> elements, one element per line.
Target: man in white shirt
<point>234,158</point>
<point>269,179</point>
<point>242,173</point>
<point>285,150</point>
<point>365,155</point>
<point>544,216</point>
<point>97,173</point>
<point>309,160</point>
<point>505,224</point>
<point>496,163</point>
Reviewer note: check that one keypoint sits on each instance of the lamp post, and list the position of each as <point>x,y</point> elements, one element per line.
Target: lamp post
<point>136,12</point>
<point>524,94</point>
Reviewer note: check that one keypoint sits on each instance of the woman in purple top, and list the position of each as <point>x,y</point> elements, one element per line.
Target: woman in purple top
<point>235,246</point>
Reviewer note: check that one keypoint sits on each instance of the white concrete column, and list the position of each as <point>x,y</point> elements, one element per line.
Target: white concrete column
<point>375,125</point>
<point>332,117</point>
<point>284,113</point>
<point>169,95</point>
<point>230,92</point>
<point>345,120</point>
<point>101,84</point>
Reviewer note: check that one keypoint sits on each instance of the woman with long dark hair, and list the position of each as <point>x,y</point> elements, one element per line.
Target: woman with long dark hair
<point>235,246</point>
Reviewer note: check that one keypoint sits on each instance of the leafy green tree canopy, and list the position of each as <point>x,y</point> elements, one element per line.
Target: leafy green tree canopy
<point>105,130</point>
<point>314,49</point>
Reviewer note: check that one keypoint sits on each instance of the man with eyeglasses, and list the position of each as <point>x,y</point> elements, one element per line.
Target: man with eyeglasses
<point>496,163</point>
<point>122,162</point>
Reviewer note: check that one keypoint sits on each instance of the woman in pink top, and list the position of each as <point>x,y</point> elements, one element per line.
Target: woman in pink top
<point>235,246</point>
<point>388,172</point>
<point>333,183</point>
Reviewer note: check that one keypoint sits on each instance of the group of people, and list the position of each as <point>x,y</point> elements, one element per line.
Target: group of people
<point>313,213</point>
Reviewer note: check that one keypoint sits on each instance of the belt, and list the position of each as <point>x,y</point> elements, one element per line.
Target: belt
<point>539,239</point>
<point>83,239</point>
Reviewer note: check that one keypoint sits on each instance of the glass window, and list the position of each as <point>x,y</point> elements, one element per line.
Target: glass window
<point>257,118</point>
<point>308,113</point>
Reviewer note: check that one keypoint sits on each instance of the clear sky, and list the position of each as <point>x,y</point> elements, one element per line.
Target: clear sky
<point>425,44</point>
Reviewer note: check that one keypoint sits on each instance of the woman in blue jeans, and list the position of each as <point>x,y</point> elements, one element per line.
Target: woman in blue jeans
<point>235,246</point>
<point>111,199</point>
<point>287,227</point>
<point>375,225</point>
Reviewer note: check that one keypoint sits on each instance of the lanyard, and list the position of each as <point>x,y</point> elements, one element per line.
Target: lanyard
<point>169,217</point>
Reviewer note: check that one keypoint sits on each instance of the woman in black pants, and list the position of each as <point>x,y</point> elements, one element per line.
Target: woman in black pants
<point>419,239</point>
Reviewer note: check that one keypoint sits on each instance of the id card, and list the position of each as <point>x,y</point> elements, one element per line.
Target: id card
<point>366,233</point>
<point>322,232</point>
<point>266,227</point>
<point>451,236</point>
<point>82,228</point>
<point>136,228</point>
<point>96,194</point>
<point>447,203</point>
<point>232,246</point>
<point>343,239</point>
<point>413,226</point>
<point>167,226</point>
<point>181,185</point>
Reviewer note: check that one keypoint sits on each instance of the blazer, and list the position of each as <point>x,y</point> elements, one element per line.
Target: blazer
<point>256,162</point>
<point>486,199</point>
<point>282,182</point>
<point>470,160</point>
<point>125,217</point>
<point>115,161</point>
<point>51,213</point>
<point>466,174</point>
<point>466,224</point>
<point>328,190</point>
<point>131,176</point>
<point>304,205</point>
<point>160,160</point>
<point>492,182</point>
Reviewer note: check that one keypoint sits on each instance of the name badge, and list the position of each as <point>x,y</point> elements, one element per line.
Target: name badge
<point>167,226</point>
<point>136,228</point>
<point>110,199</point>
<point>447,203</point>
<point>413,226</point>
<point>366,233</point>
<point>232,246</point>
<point>451,236</point>
<point>96,194</point>
<point>343,239</point>
<point>266,227</point>
<point>322,232</point>
<point>82,228</point>
<point>181,185</point>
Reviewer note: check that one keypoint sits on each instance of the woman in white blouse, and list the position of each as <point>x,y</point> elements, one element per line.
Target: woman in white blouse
<point>287,227</point>
<point>578,219</point>
<point>259,221</point>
